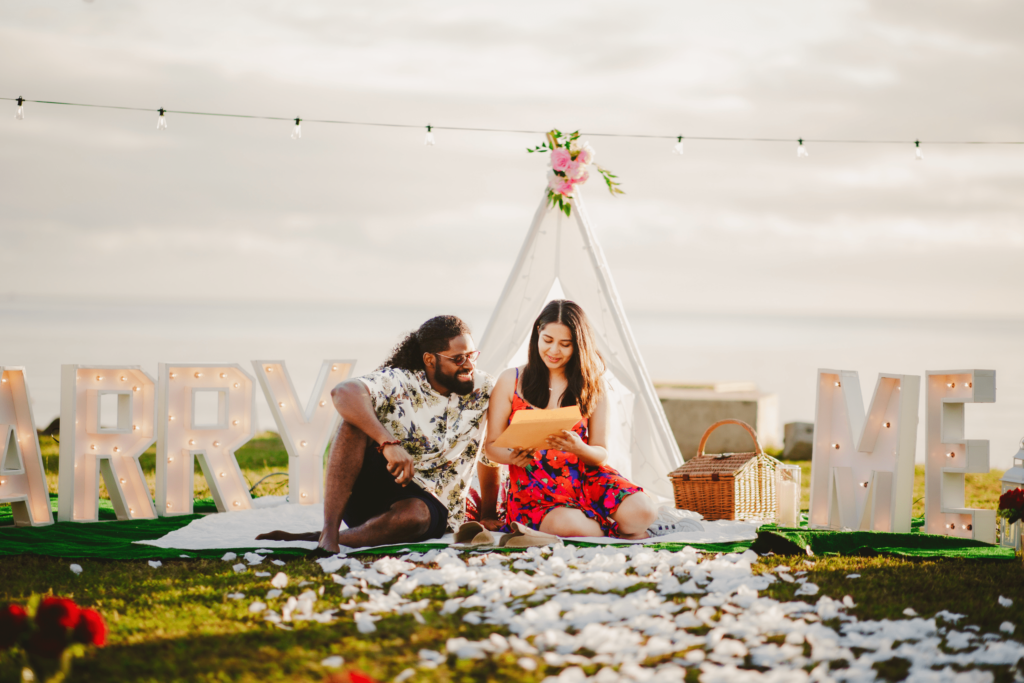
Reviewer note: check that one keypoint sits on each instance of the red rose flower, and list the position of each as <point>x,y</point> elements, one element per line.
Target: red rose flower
<point>90,629</point>
<point>57,615</point>
<point>13,623</point>
<point>356,676</point>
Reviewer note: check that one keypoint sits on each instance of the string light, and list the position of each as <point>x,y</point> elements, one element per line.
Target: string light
<point>216,444</point>
<point>302,444</point>
<point>835,446</point>
<point>281,403</point>
<point>801,151</point>
<point>170,458</point>
<point>198,375</point>
<point>297,131</point>
<point>303,494</point>
<point>323,403</point>
<point>429,140</point>
<point>864,484</point>
<point>234,422</point>
<point>20,113</point>
<point>270,368</point>
<point>678,149</point>
<point>334,368</point>
<point>951,454</point>
<point>135,388</point>
<point>951,385</point>
<point>162,124</point>
<point>887,425</point>
<point>838,384</point>
<point>918,154</point>
<point>123,378</point>
<point>223,375</point>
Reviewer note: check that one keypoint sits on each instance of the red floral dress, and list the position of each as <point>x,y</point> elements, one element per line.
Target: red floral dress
<point>560,479</point>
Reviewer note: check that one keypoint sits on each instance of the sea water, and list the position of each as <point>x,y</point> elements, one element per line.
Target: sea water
<point>781,354</point>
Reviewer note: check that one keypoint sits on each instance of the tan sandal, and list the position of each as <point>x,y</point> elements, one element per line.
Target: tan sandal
<point>473,535</point>
<point>523,536</point>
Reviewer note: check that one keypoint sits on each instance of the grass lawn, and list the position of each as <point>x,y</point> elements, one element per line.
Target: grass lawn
<point>177,623</point>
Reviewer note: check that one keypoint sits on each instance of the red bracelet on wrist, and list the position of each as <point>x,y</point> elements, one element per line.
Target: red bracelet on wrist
<point>380,448</point>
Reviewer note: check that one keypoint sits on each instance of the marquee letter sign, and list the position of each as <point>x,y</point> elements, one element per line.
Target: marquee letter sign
<point>304,431</point>
<point>22,477</point>
<point>949,456</point>
<point>107,418</point>
<point>205,411</point>
<point>865,484</point>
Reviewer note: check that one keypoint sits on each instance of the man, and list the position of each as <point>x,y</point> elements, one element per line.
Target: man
<point>401,462</point>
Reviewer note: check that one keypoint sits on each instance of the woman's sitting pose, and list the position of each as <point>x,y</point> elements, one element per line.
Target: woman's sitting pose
<point>566,490</point>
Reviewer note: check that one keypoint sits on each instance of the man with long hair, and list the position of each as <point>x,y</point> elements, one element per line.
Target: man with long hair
<point>402,459</point>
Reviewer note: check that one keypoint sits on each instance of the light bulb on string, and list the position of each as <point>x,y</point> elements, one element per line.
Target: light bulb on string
<point>297,131</point>
<point>918,154</point>
<point>429,140</point>
<point>801,151</point>
<point>20,114</point>
<point>161,121</point>
<point>678,149</point>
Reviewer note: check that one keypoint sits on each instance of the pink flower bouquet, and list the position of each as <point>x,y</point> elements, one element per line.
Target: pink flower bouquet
<point>571,159</point>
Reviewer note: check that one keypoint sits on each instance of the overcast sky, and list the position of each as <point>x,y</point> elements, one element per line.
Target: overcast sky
<point>97,204</point>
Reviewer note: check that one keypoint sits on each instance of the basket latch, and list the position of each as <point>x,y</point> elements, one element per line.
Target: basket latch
<point>714,476</point>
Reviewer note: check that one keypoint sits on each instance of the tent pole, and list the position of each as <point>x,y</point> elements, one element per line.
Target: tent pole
<point>618,315</point>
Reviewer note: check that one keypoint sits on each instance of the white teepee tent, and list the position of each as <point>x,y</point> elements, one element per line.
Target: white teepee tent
<point>562,252</point>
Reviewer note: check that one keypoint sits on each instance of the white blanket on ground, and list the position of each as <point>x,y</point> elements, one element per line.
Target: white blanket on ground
<point>239,530</point>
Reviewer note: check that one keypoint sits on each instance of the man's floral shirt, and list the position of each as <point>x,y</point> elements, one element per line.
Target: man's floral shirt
<point>441,433</point>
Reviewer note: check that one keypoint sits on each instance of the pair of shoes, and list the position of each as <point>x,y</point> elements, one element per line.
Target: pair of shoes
<point>672,521</point>
<point>523,536</point>
<point>473,535</point>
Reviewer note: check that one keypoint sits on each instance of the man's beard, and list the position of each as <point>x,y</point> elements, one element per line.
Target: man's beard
<point>451,383</point>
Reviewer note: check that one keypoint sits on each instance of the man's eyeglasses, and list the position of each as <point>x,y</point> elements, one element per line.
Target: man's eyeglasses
<point>461,359</point>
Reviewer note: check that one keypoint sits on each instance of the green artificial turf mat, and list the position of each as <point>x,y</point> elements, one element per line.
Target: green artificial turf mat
<point>791,541</point>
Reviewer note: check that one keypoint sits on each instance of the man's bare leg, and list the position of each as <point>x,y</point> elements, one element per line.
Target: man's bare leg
<point>406,520</point>
<point>343,467</point>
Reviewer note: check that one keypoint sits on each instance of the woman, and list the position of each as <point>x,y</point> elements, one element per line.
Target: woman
<point>566,490</point>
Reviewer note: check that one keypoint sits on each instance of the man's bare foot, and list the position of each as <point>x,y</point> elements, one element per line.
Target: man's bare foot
<point>313,536</point>
<point>329,541</point>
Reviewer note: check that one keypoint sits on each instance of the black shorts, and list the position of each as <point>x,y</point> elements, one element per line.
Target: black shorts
<point>375,491</point>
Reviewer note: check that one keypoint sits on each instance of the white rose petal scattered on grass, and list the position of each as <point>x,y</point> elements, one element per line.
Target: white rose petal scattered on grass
<point>612,610</point>
<point>77,569</point>
<point>1005,602</point>
<point>257,607</point>
<point>262,574</point>
<point>273,593</point>
<point>279,563</point>
<point>239,568</point>
<point>910,612</point>
<point>236,596</point>
<point>253,558</point>
<point>156,564</point>
<point>853,576</point>
<point>333,662</point>
<point>405,675</point>
<point>186,557</point>
<point>280,580</point>
<point>1007,627</point>
<point>228,557</point>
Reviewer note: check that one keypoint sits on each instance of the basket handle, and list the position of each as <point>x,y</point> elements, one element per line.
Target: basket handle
<point>741,423</point>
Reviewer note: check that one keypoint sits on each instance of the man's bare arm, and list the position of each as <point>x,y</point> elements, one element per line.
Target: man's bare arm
<point>352,401</point>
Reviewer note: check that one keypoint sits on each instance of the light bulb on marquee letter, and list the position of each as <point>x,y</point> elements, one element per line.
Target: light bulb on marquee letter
<point>117,423</point>
<point>211,407</point>
<point>304,431</point>
<point>869,486</point>
<point>22,477</point>
<point>949,455</point>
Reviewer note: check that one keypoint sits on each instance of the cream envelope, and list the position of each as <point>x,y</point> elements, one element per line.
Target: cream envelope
<point>531,428</point>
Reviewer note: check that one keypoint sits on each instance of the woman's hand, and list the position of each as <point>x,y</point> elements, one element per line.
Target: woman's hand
<point>567,441</point>
<point>521,457</point>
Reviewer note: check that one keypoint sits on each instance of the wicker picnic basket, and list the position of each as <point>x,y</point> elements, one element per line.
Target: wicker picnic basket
<point>727,486</point>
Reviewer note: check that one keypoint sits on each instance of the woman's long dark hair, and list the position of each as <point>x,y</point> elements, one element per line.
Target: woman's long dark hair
<point>583,370</point>
<point>432,337</point>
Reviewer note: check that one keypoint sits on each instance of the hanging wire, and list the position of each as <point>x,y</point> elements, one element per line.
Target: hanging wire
<point>472,129</point>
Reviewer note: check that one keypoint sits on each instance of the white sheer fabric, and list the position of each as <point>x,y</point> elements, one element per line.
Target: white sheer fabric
<point>561,257</point>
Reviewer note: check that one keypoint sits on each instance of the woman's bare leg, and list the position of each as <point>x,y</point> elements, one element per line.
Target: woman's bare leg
<point>569,522</point>
<point>634,515</point>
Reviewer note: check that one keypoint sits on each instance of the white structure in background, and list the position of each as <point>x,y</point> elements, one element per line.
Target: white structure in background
<point>304,431</point>
<point>1013,478</point>
<point>205,411</point>
<point>107,418</point>
<point>949,456</point>
<point>562,252</point>
<point>867,483</point>
<point>22,477</point>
